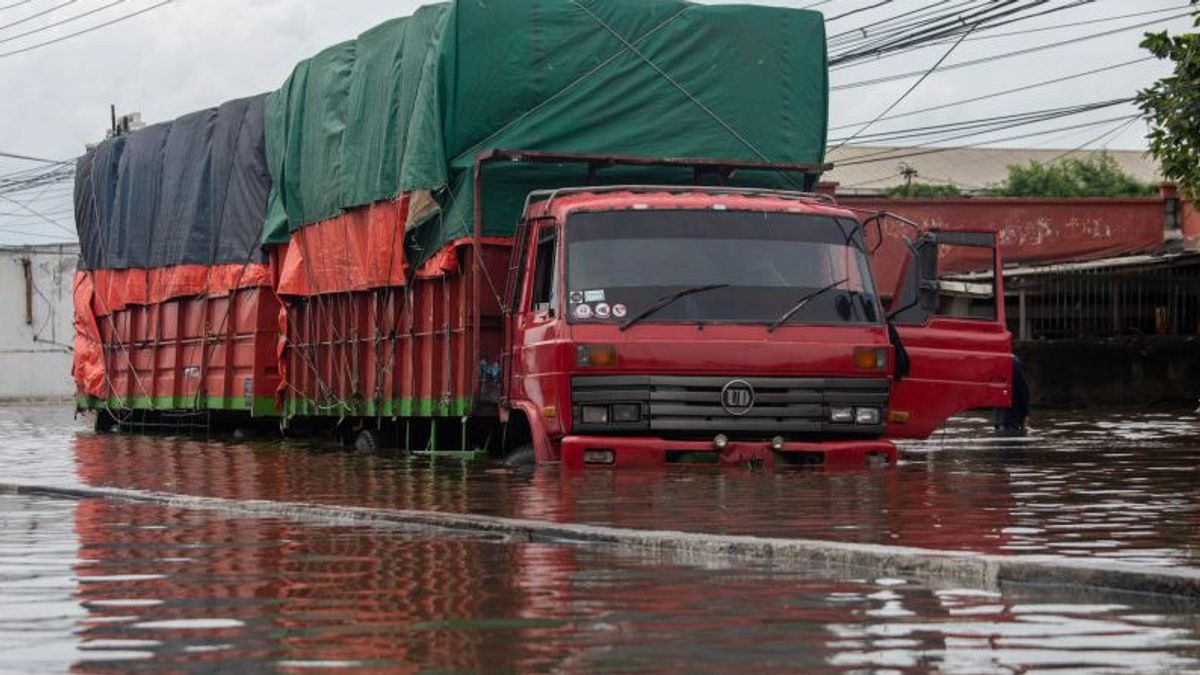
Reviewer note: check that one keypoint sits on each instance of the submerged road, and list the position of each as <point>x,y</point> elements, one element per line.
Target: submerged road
<point>96,582</point>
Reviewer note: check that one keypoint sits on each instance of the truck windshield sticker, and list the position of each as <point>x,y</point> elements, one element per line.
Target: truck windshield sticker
<point>594,296</point>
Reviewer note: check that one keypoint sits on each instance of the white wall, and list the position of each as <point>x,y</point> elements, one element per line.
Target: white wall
<point>35,359</point>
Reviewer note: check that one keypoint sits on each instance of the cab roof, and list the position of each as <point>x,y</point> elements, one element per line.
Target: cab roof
<point>562,203</point>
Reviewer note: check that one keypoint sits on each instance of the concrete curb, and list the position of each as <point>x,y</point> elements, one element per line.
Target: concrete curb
<point>977,569</point>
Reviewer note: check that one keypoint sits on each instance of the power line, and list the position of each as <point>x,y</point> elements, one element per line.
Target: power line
<point>56,24</point>
<point>881,3</point>
<point>55,223</point>
<point>981,35</point>
<point>35,15</point>
<point>1111,132</point>
<point>997,57</point>
<point>872,158</point>
<point>1087,22</point>
<point>119,19</point>
<point>12,155</point>
<point>906,92</point>
<point>996,122</point>
<point>996,94</point>
<point>938,28</point>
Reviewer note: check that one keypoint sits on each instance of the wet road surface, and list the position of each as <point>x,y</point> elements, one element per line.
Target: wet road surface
<point>108,586</point>
<point>96,585</point>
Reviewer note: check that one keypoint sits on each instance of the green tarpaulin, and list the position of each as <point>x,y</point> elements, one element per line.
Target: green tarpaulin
<point>409,104</point>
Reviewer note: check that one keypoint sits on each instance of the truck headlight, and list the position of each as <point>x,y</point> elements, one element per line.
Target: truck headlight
<point>626,412</point>
<point>841,415</point>
<point>594,414</point>
<point>866,415</point>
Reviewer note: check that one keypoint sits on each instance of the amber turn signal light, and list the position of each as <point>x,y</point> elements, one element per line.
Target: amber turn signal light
<point>596,355</point>
<point>870,358</point>
<point>898,416</point>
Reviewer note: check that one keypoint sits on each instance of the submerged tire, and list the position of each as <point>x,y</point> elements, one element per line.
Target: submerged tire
<point>368,441</point>
<point>523,458</point>
<point>104,422</point>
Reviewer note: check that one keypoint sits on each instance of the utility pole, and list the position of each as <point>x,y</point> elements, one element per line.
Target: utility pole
<point>909,172</point>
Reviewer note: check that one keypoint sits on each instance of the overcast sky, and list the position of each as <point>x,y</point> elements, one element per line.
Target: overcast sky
<point>191,54</point>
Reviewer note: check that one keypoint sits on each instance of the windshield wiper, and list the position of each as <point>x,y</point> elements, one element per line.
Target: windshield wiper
<point>666,300</point>
<point>802,302</point>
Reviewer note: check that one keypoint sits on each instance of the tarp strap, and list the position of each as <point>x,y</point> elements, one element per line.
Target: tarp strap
<point>667,76</point>
<point>475,149</point>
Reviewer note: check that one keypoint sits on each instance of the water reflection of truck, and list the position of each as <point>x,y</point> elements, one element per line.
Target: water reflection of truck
<point>454,258</point>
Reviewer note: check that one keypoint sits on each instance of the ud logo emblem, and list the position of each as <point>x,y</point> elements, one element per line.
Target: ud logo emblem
<point>737,398</point>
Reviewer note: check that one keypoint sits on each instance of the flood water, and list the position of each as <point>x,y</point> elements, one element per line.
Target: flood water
<point>109,586</point>
<point>1120,485</point>
<point>97,585</point>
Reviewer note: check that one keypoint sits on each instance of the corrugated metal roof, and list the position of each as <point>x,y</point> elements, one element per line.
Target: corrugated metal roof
<point>968,168</point>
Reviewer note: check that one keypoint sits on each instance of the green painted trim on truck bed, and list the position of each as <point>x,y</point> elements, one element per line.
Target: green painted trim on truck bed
<point>455,407</point>
<point>264,406</point>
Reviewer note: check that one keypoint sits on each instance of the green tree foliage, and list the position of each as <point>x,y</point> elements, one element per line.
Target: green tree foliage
<point>924,190</point>
<point>1095,176</point>
<point>1172,107</point>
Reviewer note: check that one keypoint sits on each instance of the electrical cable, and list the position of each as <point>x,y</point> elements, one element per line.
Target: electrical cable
<point>15,4</point>
<point>1111,132</point>
<point>944,27</point>
<point>35,15</point>
<point>1087,22</point>
<point>11,155</point>
<point>859,10</point>
<point>30,209</point>
<point>906,92</point>
<point>996,94</point>
<point>990,35</point>
<point>872,158</point>
<point>56,24</point>
<point>90,29</point>
<point>996,122</point>
<point>997,57</point>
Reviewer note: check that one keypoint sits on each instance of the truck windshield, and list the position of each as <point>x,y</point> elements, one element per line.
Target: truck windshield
<point>735,266</point>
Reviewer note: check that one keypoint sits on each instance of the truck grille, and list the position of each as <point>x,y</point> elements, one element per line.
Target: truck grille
<point>682,405</point>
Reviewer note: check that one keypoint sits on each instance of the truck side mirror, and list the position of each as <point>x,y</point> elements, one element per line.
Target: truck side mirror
<point>926,254</point>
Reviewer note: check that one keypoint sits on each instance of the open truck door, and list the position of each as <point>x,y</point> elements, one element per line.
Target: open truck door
<point>948,313</point>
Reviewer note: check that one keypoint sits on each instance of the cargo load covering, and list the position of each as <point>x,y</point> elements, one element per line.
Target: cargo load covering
<point>174,210</point>
<point>403,111</point>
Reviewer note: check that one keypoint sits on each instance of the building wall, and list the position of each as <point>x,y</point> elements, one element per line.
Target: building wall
<point>36,338</point>
<point>1130,372</point>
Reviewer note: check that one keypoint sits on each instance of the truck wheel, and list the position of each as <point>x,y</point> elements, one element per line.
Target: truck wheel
<point>368,441</point>
<point>104,422</point>
<point>523,458</point>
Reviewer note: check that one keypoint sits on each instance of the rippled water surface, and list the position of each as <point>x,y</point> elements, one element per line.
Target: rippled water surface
<point>102,586</point>
<point>1116,485</point>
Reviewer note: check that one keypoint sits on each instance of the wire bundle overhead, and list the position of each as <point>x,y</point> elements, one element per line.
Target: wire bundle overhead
<point>936,22</point>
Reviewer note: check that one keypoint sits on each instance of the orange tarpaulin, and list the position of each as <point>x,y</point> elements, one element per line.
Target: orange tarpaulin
<point>88,366</point>
<point>114,290</point>
<point>356,251</point>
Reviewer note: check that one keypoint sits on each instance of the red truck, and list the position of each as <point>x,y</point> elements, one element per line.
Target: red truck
<point>620,326</point>
<point>654,325</point>
<point>537,229</point>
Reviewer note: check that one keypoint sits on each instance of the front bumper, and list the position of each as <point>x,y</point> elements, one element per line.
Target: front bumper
<point>580,452</point>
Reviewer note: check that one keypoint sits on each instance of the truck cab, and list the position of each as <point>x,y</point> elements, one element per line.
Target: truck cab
<point>648,326</point>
